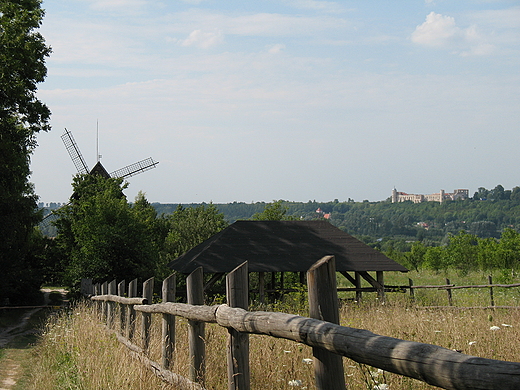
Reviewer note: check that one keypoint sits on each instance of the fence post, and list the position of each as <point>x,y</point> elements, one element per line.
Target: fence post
<point>323,305</point>
<point>450,298</point>
<point>112,287</point>
<point>261,287</point>
<point>490,281</point>
<point>237,288</point>
<point>168,322</point>
<point>412,292</point>
<point>122,308</point>
<point>359,293</point>
<point>97,304</point>
<point>147,317</point>
<point>104,291</point>
<point>130,315</point>
<point>196,330</point>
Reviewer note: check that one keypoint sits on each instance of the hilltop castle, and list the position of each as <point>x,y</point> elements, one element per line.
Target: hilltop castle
<point>439,197</point>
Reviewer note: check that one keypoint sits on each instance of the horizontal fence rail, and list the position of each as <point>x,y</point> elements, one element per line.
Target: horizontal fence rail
<point>432,364</point>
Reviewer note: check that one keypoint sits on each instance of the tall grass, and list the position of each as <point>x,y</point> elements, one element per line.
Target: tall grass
<point>77,353</point>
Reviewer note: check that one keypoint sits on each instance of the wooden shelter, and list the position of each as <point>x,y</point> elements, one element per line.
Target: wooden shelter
<point>286,246</point>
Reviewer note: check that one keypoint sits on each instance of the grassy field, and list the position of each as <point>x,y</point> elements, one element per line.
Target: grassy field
<point>75,352</point>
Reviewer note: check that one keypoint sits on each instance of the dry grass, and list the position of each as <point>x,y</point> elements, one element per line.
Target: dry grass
<point>77,353</point>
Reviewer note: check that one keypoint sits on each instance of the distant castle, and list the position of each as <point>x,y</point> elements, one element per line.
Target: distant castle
<point>439,197</point>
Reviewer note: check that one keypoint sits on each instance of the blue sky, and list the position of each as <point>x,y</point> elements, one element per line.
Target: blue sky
<point>284,99</point>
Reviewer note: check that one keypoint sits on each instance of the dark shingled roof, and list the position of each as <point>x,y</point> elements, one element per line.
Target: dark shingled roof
<point>274,246</point>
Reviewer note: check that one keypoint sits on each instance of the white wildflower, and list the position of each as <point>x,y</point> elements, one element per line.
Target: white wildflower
<point>507,326</point>
<point>295,382</point>
<point>472,343</point>
<point>437,331</point>
<point>307,361</point>
<point>494,327</point>
<point>287,351</point>
<point>381,386</point>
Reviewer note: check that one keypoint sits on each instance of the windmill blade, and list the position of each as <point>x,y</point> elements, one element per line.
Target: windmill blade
<point>135,168</point>
<point>74,152</point>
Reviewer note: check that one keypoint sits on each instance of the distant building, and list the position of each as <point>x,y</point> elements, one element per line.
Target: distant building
<point>438,197</point>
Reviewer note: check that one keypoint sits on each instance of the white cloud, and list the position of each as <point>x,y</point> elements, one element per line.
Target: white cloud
<point>438,30</point>
<point>274,49</point>
<point>326,6</point>
<point>202,39</point>
<point>116,4</point>
<point>441,31</point>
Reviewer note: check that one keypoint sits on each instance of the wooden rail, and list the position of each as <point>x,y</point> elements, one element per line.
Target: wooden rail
<point>429,363</point>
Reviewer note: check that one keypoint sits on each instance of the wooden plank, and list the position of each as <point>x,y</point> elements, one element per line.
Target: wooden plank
<point>191,312</point>
<point>118,299</point>
<point>168,322</point>
<point>492,298</point>
<point>146,320</point>
<point>121,291</point>
<point>323,305</point>
<point>111,306</point>
<point>215,278</point>
<point>261,287</point>
<point>429,363</point>
<point>237,287</point>
<point>178,381</point>
<point>130,316</point>
<point>196,330</point>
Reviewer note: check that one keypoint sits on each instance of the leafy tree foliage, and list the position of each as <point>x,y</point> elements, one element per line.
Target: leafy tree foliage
<point>188,227</point>
<point>275,211</point>
<point>22,116</point>
<point>104,236</point>
<point>465,252</point>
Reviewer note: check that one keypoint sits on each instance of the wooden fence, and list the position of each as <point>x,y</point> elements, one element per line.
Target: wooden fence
<point>429,363</point>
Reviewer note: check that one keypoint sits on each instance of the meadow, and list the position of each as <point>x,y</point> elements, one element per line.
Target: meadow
<point>76,352</point>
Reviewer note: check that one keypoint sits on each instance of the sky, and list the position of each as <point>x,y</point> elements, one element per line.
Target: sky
<point>298,100</point>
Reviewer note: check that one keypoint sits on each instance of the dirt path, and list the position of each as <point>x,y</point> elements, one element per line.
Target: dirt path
<point>16,347</point>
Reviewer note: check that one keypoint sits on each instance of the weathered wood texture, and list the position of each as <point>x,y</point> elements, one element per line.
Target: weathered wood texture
<point>146,322</point>
<point>432,364</point>
<point>196,330</point>
<point>323,305</point>
<point>179,381</point>
<point>118,299</point>
<point>237,288</point>
<point>168,322</point>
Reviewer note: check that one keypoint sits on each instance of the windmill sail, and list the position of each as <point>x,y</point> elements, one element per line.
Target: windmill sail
<point>74,152</point>
<point>135,168</point>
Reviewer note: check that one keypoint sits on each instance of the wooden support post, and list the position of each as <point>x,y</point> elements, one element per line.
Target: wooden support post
<point>450,297</point>
<point>147,317</point>
<point>104,291</point>
<point>238,343</point>
<point>261,287</point>
<point>97,304</point>
<point>282,284</point>
<point>121,290</point>
<point>359,293</point>
<point>168,322</point>
<point>130,315</point>
<point>196,331</point>
<point>302,278</point>
<point>111,306</point>
<point>381,289</point>
<point>490,281</point>
<point>412,292</point>
<point>323,305</point>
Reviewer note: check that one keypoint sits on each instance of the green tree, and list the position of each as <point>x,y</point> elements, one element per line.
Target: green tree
<point>188,227</point>
<point>22,116</point>
<point>275,211</point>
<point>105,236</point>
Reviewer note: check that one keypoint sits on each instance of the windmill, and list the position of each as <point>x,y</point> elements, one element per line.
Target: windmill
<point>98,169</point>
